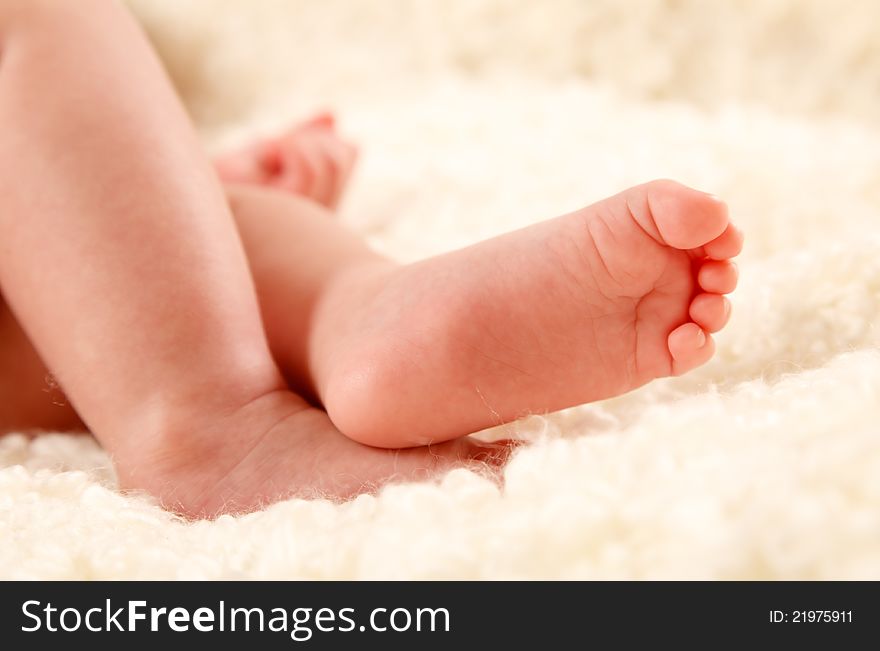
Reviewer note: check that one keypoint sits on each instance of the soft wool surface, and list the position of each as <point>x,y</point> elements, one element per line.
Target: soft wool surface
<point>479,117</point>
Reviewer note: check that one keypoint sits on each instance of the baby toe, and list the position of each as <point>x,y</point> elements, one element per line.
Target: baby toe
<point>718,276</point>
<point>296,174</point>
<point>683,217</point>
<point>727,245</point>
<point>689,347</point>
<point>322,120</point>
<point>710,311</point>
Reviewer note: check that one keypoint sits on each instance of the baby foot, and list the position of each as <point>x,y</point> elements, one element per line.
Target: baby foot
<point>575,309</point>
<point>278,447</point>
<point>309,160</point>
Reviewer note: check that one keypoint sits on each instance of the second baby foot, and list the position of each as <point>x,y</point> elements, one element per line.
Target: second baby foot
<point>310,160</point>
<point>278,447</point>
<point>575,309</point>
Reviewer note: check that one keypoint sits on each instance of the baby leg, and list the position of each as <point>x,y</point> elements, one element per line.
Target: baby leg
<point>120,256</point>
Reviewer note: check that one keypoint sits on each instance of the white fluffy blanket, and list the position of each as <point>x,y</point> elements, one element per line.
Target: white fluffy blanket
<point>478,117</point>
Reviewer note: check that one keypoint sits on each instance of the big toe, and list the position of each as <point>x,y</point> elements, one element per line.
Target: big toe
<point>676,215</point>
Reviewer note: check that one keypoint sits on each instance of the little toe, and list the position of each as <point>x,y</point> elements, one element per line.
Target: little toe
<point>727,245</point>
<point>690,347</point>
<point>710,311</point>
<point>718,276</point>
